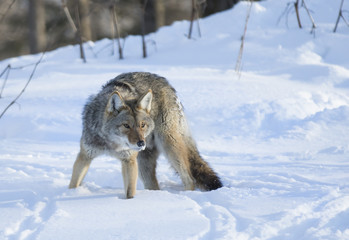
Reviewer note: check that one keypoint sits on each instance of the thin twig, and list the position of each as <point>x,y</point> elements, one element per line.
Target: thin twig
<point>25,87</point>
<point>7,71</point>
<point>238,62</point>
<point>345,21</point>
<point>285,13</point>
<point>3,72</point>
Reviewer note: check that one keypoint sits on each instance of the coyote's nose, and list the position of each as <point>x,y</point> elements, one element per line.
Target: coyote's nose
<point>141,143</point>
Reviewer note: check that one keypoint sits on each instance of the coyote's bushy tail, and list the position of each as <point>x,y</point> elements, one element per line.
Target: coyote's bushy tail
<point>205,177</point>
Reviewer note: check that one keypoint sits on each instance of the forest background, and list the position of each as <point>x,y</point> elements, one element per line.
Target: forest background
<point>32,26</point>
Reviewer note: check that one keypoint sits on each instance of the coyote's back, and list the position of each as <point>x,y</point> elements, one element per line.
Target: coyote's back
<point>135,117</point>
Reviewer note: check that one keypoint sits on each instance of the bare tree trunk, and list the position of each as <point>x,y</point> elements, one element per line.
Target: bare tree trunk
<point>193,11</point>
<point>37,31</point>
<point>84,10</point>
<point>78,34</point>
<point>115,30</point>
<point>340,14</point>
<point>76,28</point>
<point>144,47</point>
<point>160,13</point>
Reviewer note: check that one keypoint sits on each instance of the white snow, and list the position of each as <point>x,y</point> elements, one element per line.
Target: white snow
<point>277,133</point>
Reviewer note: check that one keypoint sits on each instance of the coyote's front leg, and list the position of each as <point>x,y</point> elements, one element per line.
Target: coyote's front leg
<point>130,174</point>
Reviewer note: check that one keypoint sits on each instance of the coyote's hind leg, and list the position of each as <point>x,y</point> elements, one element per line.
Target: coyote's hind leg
<point>80,168</point>
<point>147,168</point>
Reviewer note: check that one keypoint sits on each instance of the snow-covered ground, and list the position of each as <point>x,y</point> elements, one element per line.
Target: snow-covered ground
<point>277,133</point>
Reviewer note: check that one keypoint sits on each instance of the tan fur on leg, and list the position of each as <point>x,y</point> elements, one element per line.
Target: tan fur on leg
<point>130,174</point>
<point>176,151</point>
<point>80,168</point>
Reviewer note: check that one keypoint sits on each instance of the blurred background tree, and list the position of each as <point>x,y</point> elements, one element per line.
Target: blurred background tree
<point>31,26</point>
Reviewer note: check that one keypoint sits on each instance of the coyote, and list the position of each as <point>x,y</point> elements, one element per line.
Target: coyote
<point>133,118</point>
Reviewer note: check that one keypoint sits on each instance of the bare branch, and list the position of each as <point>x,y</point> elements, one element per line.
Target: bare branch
<point>285,13</point>
<point>25,87</point>
<point>70,19</point>
<point>3,72</point>
<point>345,21</point>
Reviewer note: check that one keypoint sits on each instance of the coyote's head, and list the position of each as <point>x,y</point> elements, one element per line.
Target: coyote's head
<point>127,122</point>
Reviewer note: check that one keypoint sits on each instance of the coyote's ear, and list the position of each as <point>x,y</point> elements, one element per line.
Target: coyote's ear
<point>115,102</point>
<point>144,102</point>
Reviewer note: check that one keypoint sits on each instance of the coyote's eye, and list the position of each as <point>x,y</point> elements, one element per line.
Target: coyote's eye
<point>142,125</point>
<point>126,125</point>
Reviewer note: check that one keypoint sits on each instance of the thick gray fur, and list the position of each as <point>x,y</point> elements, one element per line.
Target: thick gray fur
<point>149,99</point>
